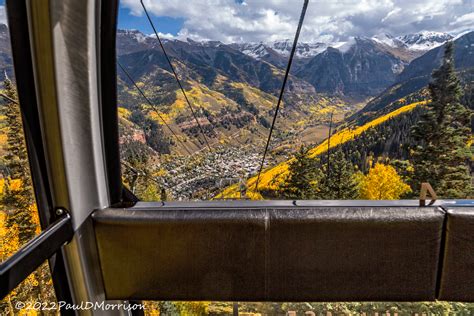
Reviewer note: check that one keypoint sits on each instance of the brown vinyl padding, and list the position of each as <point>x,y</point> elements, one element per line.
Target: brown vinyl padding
<point>457,278</point>
<point>270,254</point>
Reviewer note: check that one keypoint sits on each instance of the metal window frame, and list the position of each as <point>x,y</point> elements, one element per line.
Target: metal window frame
<point>23,67</point>
<point>34,30</point>
<point>34,253</point>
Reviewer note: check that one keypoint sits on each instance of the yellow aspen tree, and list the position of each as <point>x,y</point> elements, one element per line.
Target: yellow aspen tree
<point>382,183</point>
<point>18,203</point>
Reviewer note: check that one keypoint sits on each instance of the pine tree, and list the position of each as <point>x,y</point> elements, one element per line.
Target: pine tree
<point>468,99</point>
<point>303,177</point>
<point>443,131</point>
<point>338,182</point>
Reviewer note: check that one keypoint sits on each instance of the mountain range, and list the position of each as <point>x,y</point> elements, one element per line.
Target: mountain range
<point>235,88</point>
<point>359,68</point>
<point>422,41</point>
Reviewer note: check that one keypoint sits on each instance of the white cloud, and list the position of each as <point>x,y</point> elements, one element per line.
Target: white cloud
<point>164,35</point>
<point>465,19</point>
<point>258,20</point>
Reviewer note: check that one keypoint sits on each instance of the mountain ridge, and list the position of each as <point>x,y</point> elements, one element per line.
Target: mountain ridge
<point>420,41</point>
<point>417,74</point>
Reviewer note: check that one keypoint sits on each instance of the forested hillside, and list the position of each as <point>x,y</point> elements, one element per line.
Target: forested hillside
<point>385,135</point>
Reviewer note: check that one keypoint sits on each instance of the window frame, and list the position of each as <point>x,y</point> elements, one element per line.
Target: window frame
<point>52,221</point>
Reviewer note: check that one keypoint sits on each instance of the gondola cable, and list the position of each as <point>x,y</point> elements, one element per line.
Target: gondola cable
<point>175,74</point>
<point>181,87</point>
<point>155,179</point>
<point>8,98</point>
<point>282,90</point>
<point>144,174</point>
<point>153,106</point>
<point>134,170</point>
<point>157,112</point>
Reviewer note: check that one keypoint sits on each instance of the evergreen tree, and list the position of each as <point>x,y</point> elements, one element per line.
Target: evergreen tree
<point>338,182</point>
<point>442,154</point>
<point>303,177</point>
<point>468,99</point>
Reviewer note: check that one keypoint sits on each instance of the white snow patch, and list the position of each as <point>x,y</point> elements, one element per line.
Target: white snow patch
<point>345,46</point>
<point>425,40</point>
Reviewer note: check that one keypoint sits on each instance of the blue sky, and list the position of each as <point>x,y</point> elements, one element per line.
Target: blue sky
<point>3,16</point>
<point>163,24</point>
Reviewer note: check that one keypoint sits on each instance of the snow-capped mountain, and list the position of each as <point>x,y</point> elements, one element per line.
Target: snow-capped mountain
<point>303,50</point>
<point>360,66</point>
<point>389,40</point>
<point>416,43</point>
<point>425,40</point>
<point>277,52</point>
<point>129,41</point>
<point>255,50</point>
<point>283,48</point>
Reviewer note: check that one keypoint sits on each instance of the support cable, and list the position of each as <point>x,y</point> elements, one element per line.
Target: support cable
<point>144,174</point>
<point>175,75</point>
<point>153,106</point>
<point>282,90</point>
<point>8,98</point>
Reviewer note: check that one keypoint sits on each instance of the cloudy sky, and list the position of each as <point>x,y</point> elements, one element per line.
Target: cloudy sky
<point>326,20</point>
<point>268,20</point>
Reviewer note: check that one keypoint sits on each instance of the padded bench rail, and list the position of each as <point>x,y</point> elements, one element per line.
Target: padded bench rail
<point>279,253</point>
<point>457,278</point>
